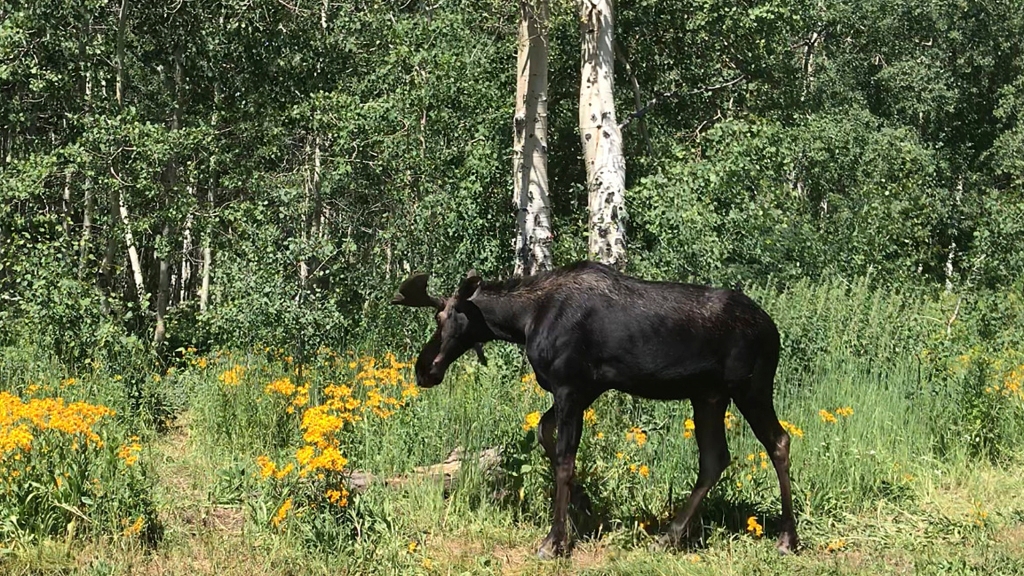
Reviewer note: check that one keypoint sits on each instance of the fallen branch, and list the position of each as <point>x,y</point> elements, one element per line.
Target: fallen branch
<point>676,94</point>
<point>488,460</point>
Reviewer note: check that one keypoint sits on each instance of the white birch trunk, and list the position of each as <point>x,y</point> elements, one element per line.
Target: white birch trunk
<point>204,290</point>
<point>600,135</point>
<point>163,290</point>
<point>958,194</point>
<point>204,286</point>
<point>530,142</point>
<point>133,253</point>
<point>186,256</point>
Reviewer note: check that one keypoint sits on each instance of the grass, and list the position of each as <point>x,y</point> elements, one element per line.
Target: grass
<point>908,462</point>
<point>937,534</point>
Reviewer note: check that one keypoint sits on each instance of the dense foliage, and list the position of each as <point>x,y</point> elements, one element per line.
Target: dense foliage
<point>319,151</point>
<point>254,178</point>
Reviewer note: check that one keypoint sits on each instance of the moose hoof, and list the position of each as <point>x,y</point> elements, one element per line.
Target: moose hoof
<point>551,549</point>
<point>787,543</point>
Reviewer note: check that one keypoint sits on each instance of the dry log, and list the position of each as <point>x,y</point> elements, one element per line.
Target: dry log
<point>488,460</point>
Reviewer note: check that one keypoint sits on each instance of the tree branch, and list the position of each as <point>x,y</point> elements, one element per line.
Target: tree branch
<point>676,94</point>
<point>620,55</point>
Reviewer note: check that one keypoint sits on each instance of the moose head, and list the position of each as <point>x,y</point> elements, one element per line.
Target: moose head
<point>460,325</point>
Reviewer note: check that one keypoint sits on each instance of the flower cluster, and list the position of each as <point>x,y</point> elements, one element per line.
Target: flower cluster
<point>753,527</point>
<point>637,435</point>
<point>531,420</point>
<point>830,418</point>
<point>297,396</point>
<point>130,452</point>
<point>1011,385</point>
<point>792,429</point>
<point>377,388</point>
<point>21,421</point>
<point>232,376</point>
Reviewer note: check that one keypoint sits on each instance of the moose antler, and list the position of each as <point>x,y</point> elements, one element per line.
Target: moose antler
<point>413,292</point>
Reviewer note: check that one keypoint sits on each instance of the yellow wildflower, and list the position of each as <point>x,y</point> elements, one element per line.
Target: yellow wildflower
<point>835,545</point>
<point>753,527</point>
<point>792,429</point>
<point>644,470</point>
<point>233,376</point>
<point>135,528</point>
<point>282,386</point>
<point>845,412</point>
<point>338,497</point>
<point>688,428</point>
<point>590,416</point>
<point>267,466</point>
<point>637,435</point>
<point>826,416</point>
<point>531,421</point>
<point>304,454</point>
<point>282,512</point>
<point>130,452</point>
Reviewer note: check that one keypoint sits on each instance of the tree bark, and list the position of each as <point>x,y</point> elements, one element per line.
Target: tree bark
<point>185,277</point>
<point>204,290</point>
<point>83,245</point>
<point>204,286</point>
<point>170,184</point>
<point>118,211</point>
<point>530,142</point>
<point>133,253</point>
<point>600,135</point>
<point>163,291</point>
<point>311,217</point>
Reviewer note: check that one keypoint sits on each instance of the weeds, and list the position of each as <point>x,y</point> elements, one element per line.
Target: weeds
<point>885,417</point>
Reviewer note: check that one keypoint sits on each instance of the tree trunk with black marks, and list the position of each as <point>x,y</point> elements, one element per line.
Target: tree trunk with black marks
<point>530,142</point>
<point>600,135</point>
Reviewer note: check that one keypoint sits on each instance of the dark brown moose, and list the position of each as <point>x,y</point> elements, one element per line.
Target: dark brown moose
<point>588,328</point>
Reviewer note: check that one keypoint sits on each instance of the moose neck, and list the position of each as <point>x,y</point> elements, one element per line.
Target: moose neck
<point>507,313</point>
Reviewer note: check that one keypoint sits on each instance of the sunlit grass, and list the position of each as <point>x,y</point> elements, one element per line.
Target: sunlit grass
<point>905,456</point>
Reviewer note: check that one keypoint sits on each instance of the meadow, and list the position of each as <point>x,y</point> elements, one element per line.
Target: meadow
<point>906,412</point>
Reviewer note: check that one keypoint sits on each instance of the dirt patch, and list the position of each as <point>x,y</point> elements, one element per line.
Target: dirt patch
<point>1012,539</point>
<point>229,519</point>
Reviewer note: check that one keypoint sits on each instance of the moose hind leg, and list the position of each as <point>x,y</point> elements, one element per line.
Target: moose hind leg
<point>760,414</point>
<point>709,429</point>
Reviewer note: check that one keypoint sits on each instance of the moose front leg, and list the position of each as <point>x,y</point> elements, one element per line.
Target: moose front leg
<point>570,427</point>
<point>546,433</point>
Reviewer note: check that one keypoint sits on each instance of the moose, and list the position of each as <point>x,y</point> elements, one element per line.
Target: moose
<point>588,328</point>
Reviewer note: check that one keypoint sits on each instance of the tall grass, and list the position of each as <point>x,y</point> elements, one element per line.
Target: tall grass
<point>887,387</point>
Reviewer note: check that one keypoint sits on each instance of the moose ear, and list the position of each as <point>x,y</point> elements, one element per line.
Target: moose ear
<point>413,292</point>
<point>469,285</point>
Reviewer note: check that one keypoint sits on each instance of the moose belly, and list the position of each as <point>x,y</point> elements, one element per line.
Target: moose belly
<point>669,368</point>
